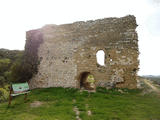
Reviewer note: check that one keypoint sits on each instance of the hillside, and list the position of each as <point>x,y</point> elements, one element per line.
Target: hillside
<point>72,104</point>
<point>10,54</point>
<point>155,79</point>
<point>8,63</point>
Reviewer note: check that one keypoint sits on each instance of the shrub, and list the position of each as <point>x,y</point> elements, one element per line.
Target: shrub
<point>4,94</point>
<point>13,67</point>
<point>8,76</point>
<point>20,71</point>
<point>2,81</point>
<point>4,65</point>
<point>6,87</point>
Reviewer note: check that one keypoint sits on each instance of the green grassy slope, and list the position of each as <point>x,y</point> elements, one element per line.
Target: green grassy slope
<point>59,104</point>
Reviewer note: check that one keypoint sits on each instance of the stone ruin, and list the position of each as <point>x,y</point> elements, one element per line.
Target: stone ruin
<point>64,55</point>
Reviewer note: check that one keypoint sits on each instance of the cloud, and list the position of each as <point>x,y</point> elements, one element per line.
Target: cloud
<point>21,15</point>
<point>154,2</point>
<point>152,23</point>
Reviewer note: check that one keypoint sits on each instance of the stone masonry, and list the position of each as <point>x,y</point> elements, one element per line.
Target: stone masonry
<point>67,51</point>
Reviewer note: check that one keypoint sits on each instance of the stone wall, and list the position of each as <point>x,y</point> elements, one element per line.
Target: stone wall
<point>69,50</point>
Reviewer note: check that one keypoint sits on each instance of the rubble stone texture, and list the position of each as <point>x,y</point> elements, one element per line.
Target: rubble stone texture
<point>66,51</point>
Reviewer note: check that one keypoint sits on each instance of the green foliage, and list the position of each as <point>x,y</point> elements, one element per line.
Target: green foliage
<point>90,79</point>
<point>4,94</point>
<point>13,68</point>
<point>8,59</point>
<point>2,81</point>
<point>16,70</point>
<point>7,76</point>
<point>10,54</point>
<point>4,65</point>
<point>20,71</point>
<point>58,103</point>
<point>6,87</point>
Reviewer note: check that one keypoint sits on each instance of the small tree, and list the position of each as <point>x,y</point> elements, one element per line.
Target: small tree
<point>20,71</point>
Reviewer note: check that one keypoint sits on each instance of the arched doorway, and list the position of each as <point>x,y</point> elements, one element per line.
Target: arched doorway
<point>87,81</point>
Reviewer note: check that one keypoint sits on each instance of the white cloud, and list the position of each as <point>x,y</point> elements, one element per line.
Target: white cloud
<point>18,16</point>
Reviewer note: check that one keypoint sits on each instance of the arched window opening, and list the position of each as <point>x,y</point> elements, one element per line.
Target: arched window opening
<point>100,55</point>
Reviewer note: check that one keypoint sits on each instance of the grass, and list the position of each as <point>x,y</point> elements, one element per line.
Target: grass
<point>104,105</point>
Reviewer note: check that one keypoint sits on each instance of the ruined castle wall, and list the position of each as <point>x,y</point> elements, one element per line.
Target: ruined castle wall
<point>69,50</point>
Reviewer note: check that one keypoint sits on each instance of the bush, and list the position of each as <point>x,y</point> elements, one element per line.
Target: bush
<point>6,87</point>
<point>2,81</point>
<point>8,76</point>
<point>20,71</point>
<point>14,67</point>
<point>4,94</point>
<point>11,66</point>
<point>4,65</point>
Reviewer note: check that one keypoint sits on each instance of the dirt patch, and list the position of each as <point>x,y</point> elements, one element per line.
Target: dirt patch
<point>152,86</point>
<point>36,104</point>
<point>89,112</point>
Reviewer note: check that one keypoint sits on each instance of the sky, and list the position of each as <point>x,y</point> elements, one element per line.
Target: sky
<point>19,16</point>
